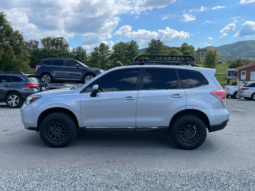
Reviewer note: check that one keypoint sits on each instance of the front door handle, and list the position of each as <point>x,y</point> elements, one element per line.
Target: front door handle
<point>177,96</point>
<point>129,98</point>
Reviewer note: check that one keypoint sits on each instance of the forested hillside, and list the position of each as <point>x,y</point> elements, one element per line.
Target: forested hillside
<point>242,49</point>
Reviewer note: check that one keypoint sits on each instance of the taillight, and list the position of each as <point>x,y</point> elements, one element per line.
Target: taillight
<point>37,66</point>
<point>32,85</point>
<point>219,94</point>
<point>244,88</point>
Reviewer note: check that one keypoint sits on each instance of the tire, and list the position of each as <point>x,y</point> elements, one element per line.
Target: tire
<point>182,125</point>
<point>88,77</point>
<point>236,95</point>
<point>46,78</point>
<point>14,100</point>
<point>51,124</point>
<point>253,97</point>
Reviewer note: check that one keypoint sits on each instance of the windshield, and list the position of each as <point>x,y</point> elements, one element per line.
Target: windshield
<point>82,64</point>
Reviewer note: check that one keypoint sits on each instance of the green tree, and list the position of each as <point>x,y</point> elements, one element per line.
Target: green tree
<point>211,58</point>
<point>31,45</point>
<point>187,50</point>
<point>124,52</point>
<point>200,53</point>
<point>156,47</point>
<point>55,43</point>
<point>80,54</point>
<point>12,55</point>
<point>174,52</point>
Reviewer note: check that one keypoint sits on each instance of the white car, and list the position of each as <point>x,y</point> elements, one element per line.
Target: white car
<point>179,98</point>
<point>232,91</point>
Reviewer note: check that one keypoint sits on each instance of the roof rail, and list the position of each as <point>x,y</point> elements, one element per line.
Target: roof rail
<point>163,58</point>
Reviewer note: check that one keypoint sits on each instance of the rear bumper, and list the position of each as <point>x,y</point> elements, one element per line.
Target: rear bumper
<point>218,127</point>
<point>248,95</point>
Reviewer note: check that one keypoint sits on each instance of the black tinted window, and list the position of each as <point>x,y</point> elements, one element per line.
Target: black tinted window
<point>46,62</point>
<point>192,79</point>
<point>71,63</point>
<point>58,62</point>
<point>159,78</point>
<point>4,79</point>
<point>17,79</point>
<point>120,80</point>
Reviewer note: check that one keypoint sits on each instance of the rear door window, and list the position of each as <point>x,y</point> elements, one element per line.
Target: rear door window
<point>4,79</point>
<point>46,62</point>
<point>192,79</point>
<point>159,79</point>
<point>17,79</point>
<point>58,63</point>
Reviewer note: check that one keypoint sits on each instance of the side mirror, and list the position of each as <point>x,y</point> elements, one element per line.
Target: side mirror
<point>95,90</point>
<point>77,66</point>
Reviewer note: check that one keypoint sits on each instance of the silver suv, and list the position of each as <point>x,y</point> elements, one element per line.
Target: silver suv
<point>177,97</point>
<point>248,91</point>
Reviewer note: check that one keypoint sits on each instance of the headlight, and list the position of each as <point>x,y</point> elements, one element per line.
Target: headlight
<point>32,98</point>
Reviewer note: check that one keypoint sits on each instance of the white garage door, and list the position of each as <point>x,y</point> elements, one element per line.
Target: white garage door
<point>252,75</point>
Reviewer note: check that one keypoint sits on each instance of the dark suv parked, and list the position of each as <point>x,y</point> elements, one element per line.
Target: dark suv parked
<point>65,69</point>
<point>16,87</point>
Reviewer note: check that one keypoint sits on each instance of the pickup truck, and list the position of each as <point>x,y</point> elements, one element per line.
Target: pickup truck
<point>232,91</point>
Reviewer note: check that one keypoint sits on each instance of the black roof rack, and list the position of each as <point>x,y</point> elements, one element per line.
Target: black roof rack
<point>163,59</point>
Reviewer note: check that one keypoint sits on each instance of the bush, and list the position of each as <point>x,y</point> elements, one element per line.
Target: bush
<point>234,83</point>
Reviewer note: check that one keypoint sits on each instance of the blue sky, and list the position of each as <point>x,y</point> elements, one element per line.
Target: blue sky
<point>90,22</point>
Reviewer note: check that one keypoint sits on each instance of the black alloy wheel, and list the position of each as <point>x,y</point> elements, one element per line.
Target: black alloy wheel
<point>46,78</point>
<point>188,132</point>
<point>58,130</point>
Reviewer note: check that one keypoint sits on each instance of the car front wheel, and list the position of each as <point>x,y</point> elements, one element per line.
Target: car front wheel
<point>188,132</point>
<point>14,100</point>
<point>253,97</point>
<point>57,130</point>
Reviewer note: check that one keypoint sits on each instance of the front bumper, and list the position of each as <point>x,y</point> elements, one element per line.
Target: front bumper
<point>28,116</point>
<point>218,127</point>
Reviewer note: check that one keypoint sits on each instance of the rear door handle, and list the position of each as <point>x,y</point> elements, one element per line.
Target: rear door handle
<point>129,98</point>
<point>177,96</point>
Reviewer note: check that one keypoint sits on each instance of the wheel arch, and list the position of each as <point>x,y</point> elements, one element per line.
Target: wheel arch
<point>55,110</point>
<point>194,112</point>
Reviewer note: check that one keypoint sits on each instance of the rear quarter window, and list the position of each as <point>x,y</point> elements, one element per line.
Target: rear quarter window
<point>192,79</point>
<point>17,79</point>
<point>46,62</point>
<point>35,80</point>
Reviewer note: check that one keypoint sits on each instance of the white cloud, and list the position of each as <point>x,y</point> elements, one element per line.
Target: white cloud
<point>144,36</point>
<point>201,9</point>
<point>208,45</point>
<point>219,7</point>
<point>188,17</point>
<point>210,38</point>
<point>205,43</point>
<point>228,28</point>
<point>205,22</point>
<point>246,1</point>
<point>224,35</point>
<point>235,21</point>
<point>236,17</point>
<point>88,18</point>
<point>164,17</point>
<point>247,29</point>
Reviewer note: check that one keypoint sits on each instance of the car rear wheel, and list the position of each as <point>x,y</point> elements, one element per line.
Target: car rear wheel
<point>88,77</point>
<point>235,96</point>
<point>46,78</point>
<point>253,97</point>
<point>14,100</point>
<point>57,130</point>
<point>188,132</point>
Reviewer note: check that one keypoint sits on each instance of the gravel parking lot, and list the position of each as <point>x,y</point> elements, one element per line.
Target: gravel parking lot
<point>129,161</point>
